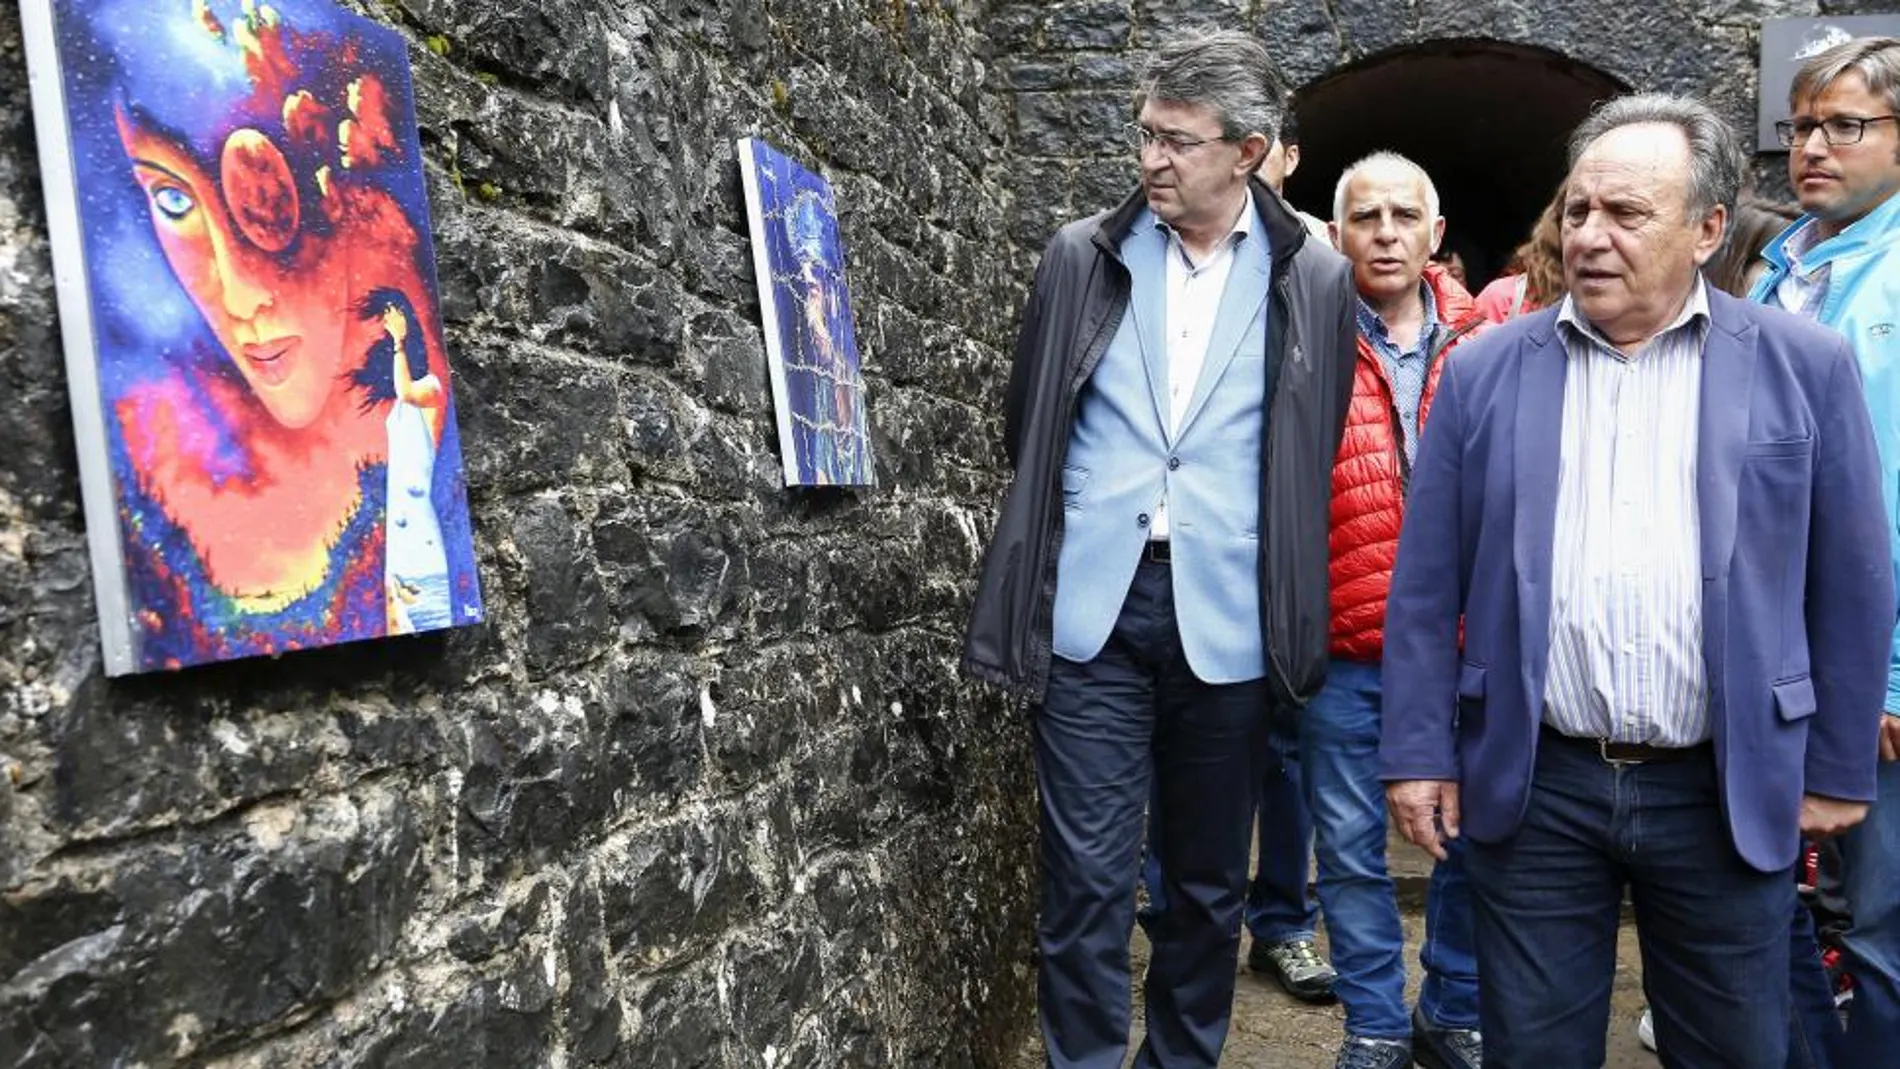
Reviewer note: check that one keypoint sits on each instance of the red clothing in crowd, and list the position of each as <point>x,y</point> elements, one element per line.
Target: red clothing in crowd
<point>1369,477</point>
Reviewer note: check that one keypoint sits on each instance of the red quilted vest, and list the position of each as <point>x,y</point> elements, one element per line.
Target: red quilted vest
<point>1368,482</point>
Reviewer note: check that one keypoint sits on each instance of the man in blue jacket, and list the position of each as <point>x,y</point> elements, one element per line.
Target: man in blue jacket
<point>1840,265</point>
<point>1653,515</point>
<point>1157,577</point>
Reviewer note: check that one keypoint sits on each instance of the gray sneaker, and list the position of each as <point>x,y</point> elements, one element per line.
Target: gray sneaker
<point>1297,966</point>
<point>1445,1048</point>
<point>1358,1052</point>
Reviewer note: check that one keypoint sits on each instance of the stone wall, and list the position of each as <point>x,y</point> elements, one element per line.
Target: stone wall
<point>1069,63</point>
<point>704,790</point>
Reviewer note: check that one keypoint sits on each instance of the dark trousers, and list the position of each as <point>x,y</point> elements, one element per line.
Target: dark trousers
<point>1134,712</point>
<point>1713,931</point>
<point>1816,1039</point>
<point>1280,905</point>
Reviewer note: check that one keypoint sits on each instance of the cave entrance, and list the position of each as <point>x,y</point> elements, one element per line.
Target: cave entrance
<point>1486,120</point>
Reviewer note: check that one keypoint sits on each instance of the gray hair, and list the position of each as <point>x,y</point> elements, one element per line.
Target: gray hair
<point>1715,153</point>
<point>1875,59</point>
<point>1228,72</point>
<point>1383,159</point>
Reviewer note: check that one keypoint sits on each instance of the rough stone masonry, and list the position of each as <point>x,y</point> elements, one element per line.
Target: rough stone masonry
<point>705,790</point>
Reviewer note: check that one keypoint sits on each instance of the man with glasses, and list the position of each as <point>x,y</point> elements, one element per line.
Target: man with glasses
<point>1840,264</point>
<point>1157,577</point>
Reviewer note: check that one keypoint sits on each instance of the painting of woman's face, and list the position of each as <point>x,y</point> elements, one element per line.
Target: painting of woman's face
<point>274,294</point>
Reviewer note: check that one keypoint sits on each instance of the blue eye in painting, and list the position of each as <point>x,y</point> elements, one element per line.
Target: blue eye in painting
<point>172,202</point>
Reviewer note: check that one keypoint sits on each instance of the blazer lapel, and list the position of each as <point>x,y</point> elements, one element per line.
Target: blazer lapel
<point>1246,291</point>
<point>1145,251</point>
<point>1728,381</point>
<point>1538,439</point>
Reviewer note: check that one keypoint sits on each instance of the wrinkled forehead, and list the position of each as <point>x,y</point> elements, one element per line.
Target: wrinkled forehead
<point>1648,158</point>
<point>1385,185</point>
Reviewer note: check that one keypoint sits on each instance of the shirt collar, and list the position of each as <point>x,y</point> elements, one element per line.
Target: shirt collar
<point>1374,328</point>
<point>1242,229</point>
<point>1801,241</point>
<point>1695,311</point>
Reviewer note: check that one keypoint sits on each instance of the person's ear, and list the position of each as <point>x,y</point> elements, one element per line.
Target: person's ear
<point>1253,152</point>
<point>1438,234</point>
<point>1708,239</point>
<point>1291,153</point>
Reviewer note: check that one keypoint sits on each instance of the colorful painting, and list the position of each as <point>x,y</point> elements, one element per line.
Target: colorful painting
<point>823,431</point>
<point>247,292</point>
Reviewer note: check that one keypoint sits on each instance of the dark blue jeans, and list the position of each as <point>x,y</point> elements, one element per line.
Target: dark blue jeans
<point>1815,1039</point>
<point>1870,858</point>
<point>1280,904</point>
<point>1108,727</point>
<point>1339,740</point>
<point>1713,931</point>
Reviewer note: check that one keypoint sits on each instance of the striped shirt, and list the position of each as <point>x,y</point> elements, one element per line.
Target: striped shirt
<point>1626,570</point>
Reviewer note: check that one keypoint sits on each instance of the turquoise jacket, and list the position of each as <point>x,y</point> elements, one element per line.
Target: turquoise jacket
<point>1863,303</point>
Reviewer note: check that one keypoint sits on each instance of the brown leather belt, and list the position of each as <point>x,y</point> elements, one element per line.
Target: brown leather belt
<point>1156,552</point>
<point>1627,753</point>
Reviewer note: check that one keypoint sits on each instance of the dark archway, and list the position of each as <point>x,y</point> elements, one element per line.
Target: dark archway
<point>1486,119</point>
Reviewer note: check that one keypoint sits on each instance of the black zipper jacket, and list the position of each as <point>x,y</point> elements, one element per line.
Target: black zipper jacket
<point>1080,295</point>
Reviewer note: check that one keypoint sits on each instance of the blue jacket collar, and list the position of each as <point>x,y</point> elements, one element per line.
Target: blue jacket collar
<point>1877,229</point>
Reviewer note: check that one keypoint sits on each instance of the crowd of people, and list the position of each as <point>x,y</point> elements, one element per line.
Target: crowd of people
<point>1585,584</point>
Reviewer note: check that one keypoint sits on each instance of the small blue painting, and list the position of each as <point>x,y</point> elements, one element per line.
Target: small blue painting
<point>817,382</point>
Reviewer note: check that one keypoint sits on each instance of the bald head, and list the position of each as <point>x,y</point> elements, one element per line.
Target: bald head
<point>1383,167</point>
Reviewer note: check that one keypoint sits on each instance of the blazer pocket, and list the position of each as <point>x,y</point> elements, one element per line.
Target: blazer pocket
<point>1471,681</point>
<point>1074,480</point>
<point>1794,698</point>
<point>1790,448</point>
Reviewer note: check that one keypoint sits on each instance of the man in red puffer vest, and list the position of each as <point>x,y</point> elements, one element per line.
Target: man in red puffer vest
<point>1411,313</point>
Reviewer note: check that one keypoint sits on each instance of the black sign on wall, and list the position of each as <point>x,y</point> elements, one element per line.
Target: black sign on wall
<point>1787,43</point>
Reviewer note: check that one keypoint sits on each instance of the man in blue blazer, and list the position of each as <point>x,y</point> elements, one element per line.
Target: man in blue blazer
<point>1652,519</point>
<point>1157,577</point>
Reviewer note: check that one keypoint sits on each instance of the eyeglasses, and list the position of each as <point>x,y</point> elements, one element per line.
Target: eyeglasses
<point>1839,130</point>
<point>1139,137</point>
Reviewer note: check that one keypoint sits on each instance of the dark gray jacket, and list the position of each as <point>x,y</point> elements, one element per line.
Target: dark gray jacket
<point>1080,295</point>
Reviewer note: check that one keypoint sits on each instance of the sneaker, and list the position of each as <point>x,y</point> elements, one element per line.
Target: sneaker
<point>1646,1031</point>
<point>1358,1052</point>
<point>1297,966</point>
<point>1445,1048</point>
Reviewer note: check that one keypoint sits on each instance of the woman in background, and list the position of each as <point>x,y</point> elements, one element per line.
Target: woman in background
<point>1735,268</point>
<point>1534,278</point>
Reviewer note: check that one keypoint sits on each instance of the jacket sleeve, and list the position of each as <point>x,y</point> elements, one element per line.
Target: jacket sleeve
<point>1022,370</point>
<point>1345,357</point>
<point>1850,583</point>
<point>1420,680</point>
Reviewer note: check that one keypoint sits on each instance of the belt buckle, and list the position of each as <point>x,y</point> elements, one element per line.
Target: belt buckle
<point>1603,751</point>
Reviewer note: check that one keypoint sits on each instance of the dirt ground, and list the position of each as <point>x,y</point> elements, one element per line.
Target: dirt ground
<point>1273,1031</point>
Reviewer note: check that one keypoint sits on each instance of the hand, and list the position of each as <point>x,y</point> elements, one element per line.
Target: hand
<point>1426,812</point>
<point>1890,737</point>
<point>1824,818</point>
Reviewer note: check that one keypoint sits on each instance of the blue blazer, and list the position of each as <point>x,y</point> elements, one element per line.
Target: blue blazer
<point>1798,589</point>
<point>1122,458</point>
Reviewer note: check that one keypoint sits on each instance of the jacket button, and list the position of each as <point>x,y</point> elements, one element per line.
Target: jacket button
<point>1174,463</point>
<point>1141,520</point>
